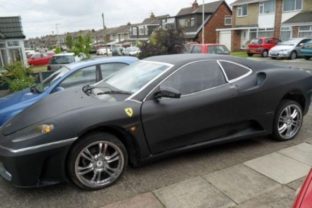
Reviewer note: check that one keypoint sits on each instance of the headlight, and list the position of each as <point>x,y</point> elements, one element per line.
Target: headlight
<point>32,132</point>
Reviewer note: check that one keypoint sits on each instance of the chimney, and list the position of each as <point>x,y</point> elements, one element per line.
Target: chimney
<point>195,5</point>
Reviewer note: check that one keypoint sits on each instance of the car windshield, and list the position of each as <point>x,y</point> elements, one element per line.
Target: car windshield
<point>218,49</point>
<point>133,77</point>
<point>41,87</point>
<point>289,43</point>
<point>256,41</point>
<point>62,59</point>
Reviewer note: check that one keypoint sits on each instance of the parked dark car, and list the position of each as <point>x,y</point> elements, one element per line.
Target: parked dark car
<point>210,48</point>
<point>261,46</point>
<point>306,50</point>
<point>151,109</point>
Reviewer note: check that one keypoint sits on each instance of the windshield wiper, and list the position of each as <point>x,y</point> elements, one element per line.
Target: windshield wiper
<point>87,89</point>
<point>110,92</point>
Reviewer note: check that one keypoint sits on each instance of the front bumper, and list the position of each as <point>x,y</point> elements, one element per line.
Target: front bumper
<point>279,54</point>
<point>36,165</point>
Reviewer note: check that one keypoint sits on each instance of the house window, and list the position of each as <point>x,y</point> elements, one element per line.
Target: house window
<point>228,20</point>
<point>192,22</point>
<point>182,23</point>
<point>292,5</point>
<point>285,33</point>
<point>267,7</point>
<point>305,31</point>
<point>265,32</point>
<point>242,10</point>
<point>134,31</point>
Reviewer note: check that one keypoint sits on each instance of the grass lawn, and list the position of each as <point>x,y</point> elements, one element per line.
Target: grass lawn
<point>241,54</point>
<point>37,69</point>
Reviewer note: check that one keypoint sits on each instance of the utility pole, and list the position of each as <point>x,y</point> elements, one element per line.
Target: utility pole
<point>57,35</point>
<point>104,28</point>
<point>203,26</point>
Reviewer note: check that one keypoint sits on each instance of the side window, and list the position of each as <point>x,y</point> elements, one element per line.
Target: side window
<point>196,49</point>
<point>81,77</point>
<point>234,71</point>
<point>196,77</point>
<point>110,68</point>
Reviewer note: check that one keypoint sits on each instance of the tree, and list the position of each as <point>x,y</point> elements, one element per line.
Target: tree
<point>69,41</point>
<point>162,42</point>
<point>82,44</point>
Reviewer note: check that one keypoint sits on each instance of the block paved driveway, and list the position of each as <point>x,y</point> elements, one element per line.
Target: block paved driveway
<point>250,173</point>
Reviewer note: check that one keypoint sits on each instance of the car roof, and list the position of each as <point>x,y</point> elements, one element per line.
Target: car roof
<point>64,54</point>
<point>182,59</point>
<point>102,60</point>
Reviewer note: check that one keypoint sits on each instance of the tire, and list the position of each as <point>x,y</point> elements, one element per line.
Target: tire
<point>307,57</point>
<point>293,55</point>
<point>287,123</point>
<point>102,159</point>
<point>265,53</point>
<point>274,58</point>
<point>249,54</point>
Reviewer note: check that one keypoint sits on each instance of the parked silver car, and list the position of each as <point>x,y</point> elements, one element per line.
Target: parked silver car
<point>288,49</point>
<point>59,60</point>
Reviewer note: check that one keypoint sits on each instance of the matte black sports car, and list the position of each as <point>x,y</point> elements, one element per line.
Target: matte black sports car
<point>155,107</point>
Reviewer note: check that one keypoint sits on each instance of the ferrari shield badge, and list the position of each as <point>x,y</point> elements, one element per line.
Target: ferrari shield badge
<point>129,112</point>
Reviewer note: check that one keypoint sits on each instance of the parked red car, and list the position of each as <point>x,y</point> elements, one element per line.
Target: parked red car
<point>211,48</point>
<point>40,59</point>
<point>304,198</point>
<point>261,46</point>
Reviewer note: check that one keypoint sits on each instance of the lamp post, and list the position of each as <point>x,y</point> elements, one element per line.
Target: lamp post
<point>203,25</point>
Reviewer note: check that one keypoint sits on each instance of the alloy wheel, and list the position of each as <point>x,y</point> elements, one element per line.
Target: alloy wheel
<point>290,121</point>
<point>99,164</point>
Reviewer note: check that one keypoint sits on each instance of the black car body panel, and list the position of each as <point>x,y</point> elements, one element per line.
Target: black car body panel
<point>235,110</point>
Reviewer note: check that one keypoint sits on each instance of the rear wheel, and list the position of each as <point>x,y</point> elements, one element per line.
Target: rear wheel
<point>265,53</point>
<point>249,54</point>
<point>307,57</point>
<point>288,120</point>
<point>97,161</point>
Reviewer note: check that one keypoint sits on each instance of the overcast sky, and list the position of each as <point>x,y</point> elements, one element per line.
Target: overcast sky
<point>39,17</point>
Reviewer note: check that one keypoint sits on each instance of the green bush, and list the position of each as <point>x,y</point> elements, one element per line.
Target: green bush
<point>16,76</point>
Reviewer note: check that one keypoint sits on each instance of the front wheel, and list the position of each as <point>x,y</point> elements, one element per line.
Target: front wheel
<point>97,161</point>
<point>288,120</point>
<point>307,57</point>
<point>293,55</point>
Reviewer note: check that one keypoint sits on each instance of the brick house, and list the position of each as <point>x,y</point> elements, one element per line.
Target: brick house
<point>283,19</point>
<point>142,31</point>
<point>11,41</point>
<point>189,20</point>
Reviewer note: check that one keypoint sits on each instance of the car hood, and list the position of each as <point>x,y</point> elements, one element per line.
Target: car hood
<point>282,47</point>
<point>16,98</point>
<point>52,106</point>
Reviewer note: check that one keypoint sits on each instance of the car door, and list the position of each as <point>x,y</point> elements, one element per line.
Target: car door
<point>202,113</point>
<point>299,46</point>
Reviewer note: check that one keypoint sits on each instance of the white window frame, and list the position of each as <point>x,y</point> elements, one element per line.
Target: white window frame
<point>239,12</point>
<point>227,18</point>
<point>295,9</point>
<point>261,7</point>
<point>304,31</point>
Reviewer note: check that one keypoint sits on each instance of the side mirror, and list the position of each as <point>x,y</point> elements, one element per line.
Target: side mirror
<point>58,89</point>
<point>167,92</point>
<point>301,45</point>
